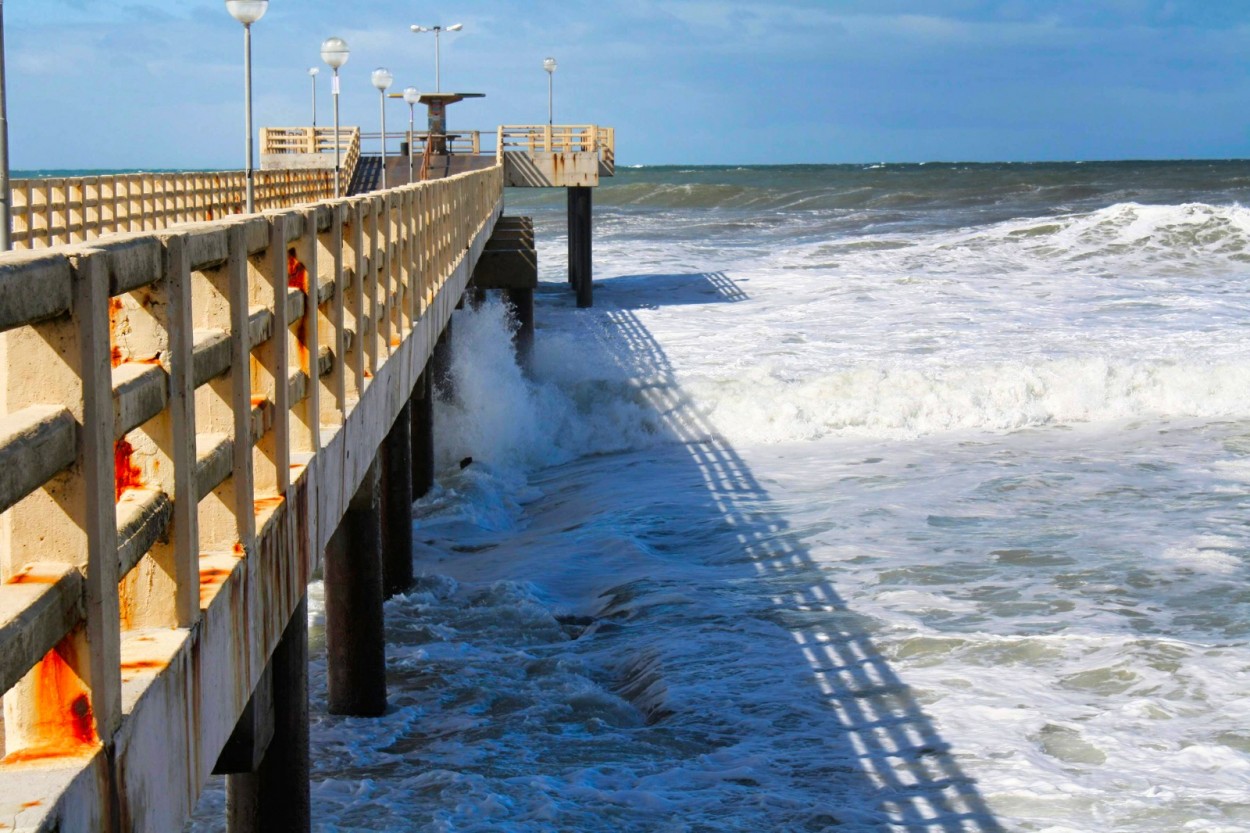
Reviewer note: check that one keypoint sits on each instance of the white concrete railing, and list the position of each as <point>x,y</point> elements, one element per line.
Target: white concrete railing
<point>184,417</point>
<point>560,138</point>
<point>310,148</point>
<point>55,212</point>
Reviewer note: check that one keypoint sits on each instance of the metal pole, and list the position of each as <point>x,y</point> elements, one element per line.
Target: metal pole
<point>313,78</point>
<point>247,97</point>
<point>438,78</point>
<point>411,124</point>
<point>338,191</point>
<point>6,206</point>
<point>382,99</point>
<point>550,76</point>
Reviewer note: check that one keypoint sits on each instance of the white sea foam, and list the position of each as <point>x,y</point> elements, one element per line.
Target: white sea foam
<point>939,530</point>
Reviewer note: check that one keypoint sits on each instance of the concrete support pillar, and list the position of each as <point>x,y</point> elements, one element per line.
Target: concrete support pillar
<point>522,303</point>
<point>355,647</point>
<point>574,230</point>
<point>581,275</point>
<point>397,505</point>
<point>275,798</point>
<point>284,789</point>
<point>422,408</point>
<point>440,362</point>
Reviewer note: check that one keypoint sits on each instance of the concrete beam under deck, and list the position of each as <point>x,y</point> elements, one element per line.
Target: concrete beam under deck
<point>539,169</point>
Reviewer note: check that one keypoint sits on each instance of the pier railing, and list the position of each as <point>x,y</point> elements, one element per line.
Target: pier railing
<point>54,212</point>
<point>185,415</point>
<point>560,138</point>
<point>277,140</point>
<point>465,142</point>
<point>305,148</point>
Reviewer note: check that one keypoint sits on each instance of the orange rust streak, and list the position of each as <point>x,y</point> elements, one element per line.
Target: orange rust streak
<point>48,752</point>
<point>266,503</point>
<point>62,723</point>
<point>259,400</point>
<point>213,575</point>
<point>143,665</point>
<point>296,274</point>
<point>32,574</point>
<point>115,307</point>
<point>126,474</point>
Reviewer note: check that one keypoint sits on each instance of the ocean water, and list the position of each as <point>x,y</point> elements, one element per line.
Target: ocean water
<point>866,498</point>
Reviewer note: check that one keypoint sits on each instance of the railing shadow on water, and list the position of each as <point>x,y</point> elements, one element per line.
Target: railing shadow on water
<point>906,770</point>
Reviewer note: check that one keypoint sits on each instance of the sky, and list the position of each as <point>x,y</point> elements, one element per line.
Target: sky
<point>138,84</point>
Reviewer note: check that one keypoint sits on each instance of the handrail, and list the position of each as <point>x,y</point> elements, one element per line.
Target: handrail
<point>173,422</point>
<point>566,138</point>
<point>54,212</point>
<point>285,140</point>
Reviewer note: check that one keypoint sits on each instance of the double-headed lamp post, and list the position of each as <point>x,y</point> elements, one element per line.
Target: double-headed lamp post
<point>335,53</point>
<point>312,76</point>
<point>382,79</point>
<point>411,96</point>
<point>437,30</point>
<point>549,64</point>
<point>248,12</point>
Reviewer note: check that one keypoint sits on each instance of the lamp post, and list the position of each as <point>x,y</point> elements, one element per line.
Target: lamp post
<point>437,30</point>
<point>411,95</point>
<point>549,64</point>
<point>248,12</point>
<point>312,76</point>
<point>6,201</point>
<point>335,53</point>
<point>382,79</point>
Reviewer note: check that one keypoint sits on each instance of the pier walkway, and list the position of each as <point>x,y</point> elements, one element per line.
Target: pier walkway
<point>201,410</point>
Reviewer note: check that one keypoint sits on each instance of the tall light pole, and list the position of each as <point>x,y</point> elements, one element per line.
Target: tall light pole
<point>335,53</point>
<point>549,64</point>
<point>248,12</point>
<point>382,79</point>
<point>411,95</point>
<point>312,76</point>
<point>437,30</point>
<point>6,202</point>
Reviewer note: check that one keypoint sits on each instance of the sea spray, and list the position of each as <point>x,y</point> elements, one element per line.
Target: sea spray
<point>986,419</point>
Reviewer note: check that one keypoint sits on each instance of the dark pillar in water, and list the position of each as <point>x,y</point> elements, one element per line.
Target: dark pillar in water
<point>397,505</point>
<point>574,229</point>
<point>355,648</point>
<point>272,795</point>
<point>440,362</point>
<point>422,408</point>
<point>522,303</point>
<point>580,208</point>
<point>286,803</point>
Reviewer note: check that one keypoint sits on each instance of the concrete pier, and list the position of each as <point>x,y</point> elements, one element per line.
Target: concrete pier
<point>200,417</point>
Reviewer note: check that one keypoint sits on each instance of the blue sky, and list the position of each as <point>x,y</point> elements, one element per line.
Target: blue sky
<point>130,83</point>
